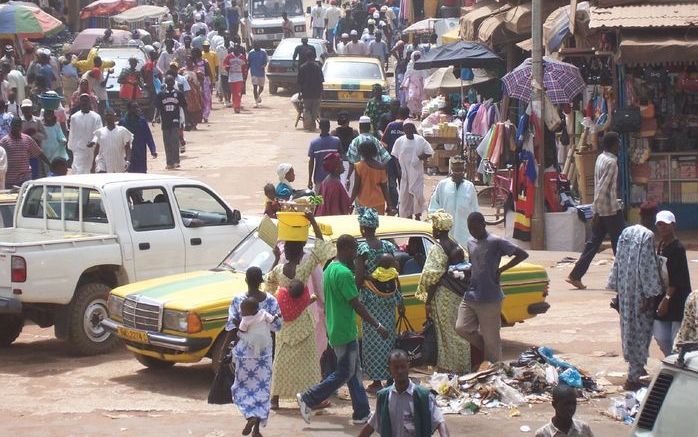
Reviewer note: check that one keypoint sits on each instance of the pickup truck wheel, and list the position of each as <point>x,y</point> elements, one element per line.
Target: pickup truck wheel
<point>153,363</point>
<point>10,327</point>
<point>86,312</point>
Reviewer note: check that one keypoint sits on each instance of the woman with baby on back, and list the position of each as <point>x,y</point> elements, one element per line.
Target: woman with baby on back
<point>376,278</point>
<point>296,362</point>
<point>251,318</point>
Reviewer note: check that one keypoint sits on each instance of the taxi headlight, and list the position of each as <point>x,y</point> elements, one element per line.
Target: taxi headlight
<point>115,306</point>
<point>175,320</point>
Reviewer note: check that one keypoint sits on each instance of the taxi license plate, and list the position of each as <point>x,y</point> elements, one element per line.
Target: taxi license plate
<point>350,95</point>
<point>133,335</point>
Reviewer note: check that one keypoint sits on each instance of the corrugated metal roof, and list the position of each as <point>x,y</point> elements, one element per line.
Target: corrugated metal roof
<point>638,16</point>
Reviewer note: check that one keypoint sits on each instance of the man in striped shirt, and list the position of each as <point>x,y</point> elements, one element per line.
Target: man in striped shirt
<point>19,148</point>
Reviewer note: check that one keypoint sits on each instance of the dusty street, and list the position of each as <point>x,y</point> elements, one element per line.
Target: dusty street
<point>47,392</point>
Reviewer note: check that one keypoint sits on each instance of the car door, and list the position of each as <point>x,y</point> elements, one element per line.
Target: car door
<point>209,227</point>
<point>158,245</point>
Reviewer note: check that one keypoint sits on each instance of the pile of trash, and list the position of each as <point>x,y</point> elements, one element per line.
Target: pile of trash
<point>625,409</point>
<point>528,380</point>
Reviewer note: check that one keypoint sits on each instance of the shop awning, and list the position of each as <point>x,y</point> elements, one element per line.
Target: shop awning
<point>106,8</point>
<point>140,13</point>
<point>638,16</point>
<point>525,45</point>
<point>648,49</point>
<point>470,22</point>
<point>516,20</point>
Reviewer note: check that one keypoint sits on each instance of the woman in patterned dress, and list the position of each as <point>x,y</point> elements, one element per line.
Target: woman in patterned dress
<point>375,350</point>
<point>203,70</point>
<point>442,303</point>
<point>296,362</point>
<point>250,390</point>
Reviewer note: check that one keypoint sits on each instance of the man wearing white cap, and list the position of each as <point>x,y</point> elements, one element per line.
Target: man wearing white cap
<point>677,283</point>
<point>342,44</point>
<point>365,135</point>
<point>355,46</point>
<point>411,150</point>
<point>369,32</point>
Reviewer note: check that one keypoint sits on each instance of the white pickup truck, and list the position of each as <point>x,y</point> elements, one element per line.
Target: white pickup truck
<point>77,237</point>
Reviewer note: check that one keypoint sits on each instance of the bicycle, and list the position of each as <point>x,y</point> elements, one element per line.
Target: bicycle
<point>492,200</point>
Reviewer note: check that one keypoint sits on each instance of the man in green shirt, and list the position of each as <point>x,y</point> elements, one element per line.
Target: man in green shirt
<point>341,306</point>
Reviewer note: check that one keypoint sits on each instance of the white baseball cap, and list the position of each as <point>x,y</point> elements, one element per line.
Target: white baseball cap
<point>364,119</point>
<point>665,217</point>
<point>354,32</point>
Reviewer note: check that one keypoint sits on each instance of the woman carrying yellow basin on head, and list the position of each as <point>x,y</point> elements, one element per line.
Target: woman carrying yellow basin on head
<point>296,363</point>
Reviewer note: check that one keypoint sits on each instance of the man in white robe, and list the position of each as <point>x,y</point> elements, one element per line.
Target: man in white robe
<point>458,197</point>
<point>411,150</point>
<point>83,125</point>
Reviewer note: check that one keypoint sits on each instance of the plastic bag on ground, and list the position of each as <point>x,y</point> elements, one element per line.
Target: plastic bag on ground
<point>550,358</point>
<point>571,377</point>
<point>508,394</point>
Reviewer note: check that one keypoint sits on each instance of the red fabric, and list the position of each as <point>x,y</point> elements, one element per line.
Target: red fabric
<point>335,200</point>
<point>236,91</point>
<point>292,308</point>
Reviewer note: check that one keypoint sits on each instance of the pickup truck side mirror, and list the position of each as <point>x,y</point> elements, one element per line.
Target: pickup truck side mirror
<point>235,217</point>
<point>307,10</point>
<point>193,222</point>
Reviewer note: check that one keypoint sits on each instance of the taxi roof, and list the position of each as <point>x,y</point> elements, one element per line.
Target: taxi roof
<point>349,224</point>
<point>353,58</point>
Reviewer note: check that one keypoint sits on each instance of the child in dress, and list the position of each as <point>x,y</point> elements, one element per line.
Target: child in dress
<point>255,324</point>
<point>294,299</point>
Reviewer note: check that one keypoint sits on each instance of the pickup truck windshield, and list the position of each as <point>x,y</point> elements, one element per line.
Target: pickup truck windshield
<point>274,8</point>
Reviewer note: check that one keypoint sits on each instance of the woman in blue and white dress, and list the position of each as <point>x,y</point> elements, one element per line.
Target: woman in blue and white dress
<point>252,387</point>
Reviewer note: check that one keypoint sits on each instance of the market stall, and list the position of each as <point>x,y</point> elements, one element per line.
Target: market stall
<point>142,17</point>
<point>97,13</point>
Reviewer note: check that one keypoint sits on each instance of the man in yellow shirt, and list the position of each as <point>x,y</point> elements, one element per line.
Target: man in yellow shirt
<point>212,60</point>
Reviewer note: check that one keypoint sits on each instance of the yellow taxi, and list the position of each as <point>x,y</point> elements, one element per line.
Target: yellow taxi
<point>349,82</point>
<point>191,309</point>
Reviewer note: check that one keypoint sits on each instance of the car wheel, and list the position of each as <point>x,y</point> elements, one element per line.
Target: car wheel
<point>220,349</point>
<point>86,335</point>
<point>153,363</point>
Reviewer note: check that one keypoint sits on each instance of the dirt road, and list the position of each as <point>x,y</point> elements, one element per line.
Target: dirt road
<point>47,392</point>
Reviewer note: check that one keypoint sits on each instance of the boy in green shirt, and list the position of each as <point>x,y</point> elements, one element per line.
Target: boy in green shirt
<point>341,306</point>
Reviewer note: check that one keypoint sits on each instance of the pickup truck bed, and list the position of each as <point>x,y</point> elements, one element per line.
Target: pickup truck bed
<point>10,237</point>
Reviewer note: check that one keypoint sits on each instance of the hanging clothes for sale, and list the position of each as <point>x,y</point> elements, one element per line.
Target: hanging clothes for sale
<point>524,199</point>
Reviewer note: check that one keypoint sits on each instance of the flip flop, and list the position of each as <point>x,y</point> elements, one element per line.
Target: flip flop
<point>576,283</point>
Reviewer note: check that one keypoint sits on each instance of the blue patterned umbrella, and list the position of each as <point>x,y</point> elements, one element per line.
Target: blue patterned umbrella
<point>562,81</point>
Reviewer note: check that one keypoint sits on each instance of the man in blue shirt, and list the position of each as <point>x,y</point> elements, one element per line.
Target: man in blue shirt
<point>319,148</point>
<point>257,60</point>
<point>479,315</point>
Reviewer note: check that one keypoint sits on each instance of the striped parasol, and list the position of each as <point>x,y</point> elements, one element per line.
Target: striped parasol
<point>562,81</point>
<point>17,18</point>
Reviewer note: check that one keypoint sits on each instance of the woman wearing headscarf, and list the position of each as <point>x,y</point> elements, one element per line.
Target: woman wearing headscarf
<point>441,301</point>
<point>413,85</point>
<point>195,95</point>
<point>375,350</point>
<point>286,176</point>
<point>335,200</point>
<point>296,363</point>
<point>203,71</point>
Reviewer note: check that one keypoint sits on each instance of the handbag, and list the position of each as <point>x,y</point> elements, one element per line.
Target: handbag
<point>430,350</point>
<point>410,341</point>
<point>627,120</point>
<point>220,392</point>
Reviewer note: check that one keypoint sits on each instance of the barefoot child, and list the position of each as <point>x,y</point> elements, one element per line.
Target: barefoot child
<point>253,359</point>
